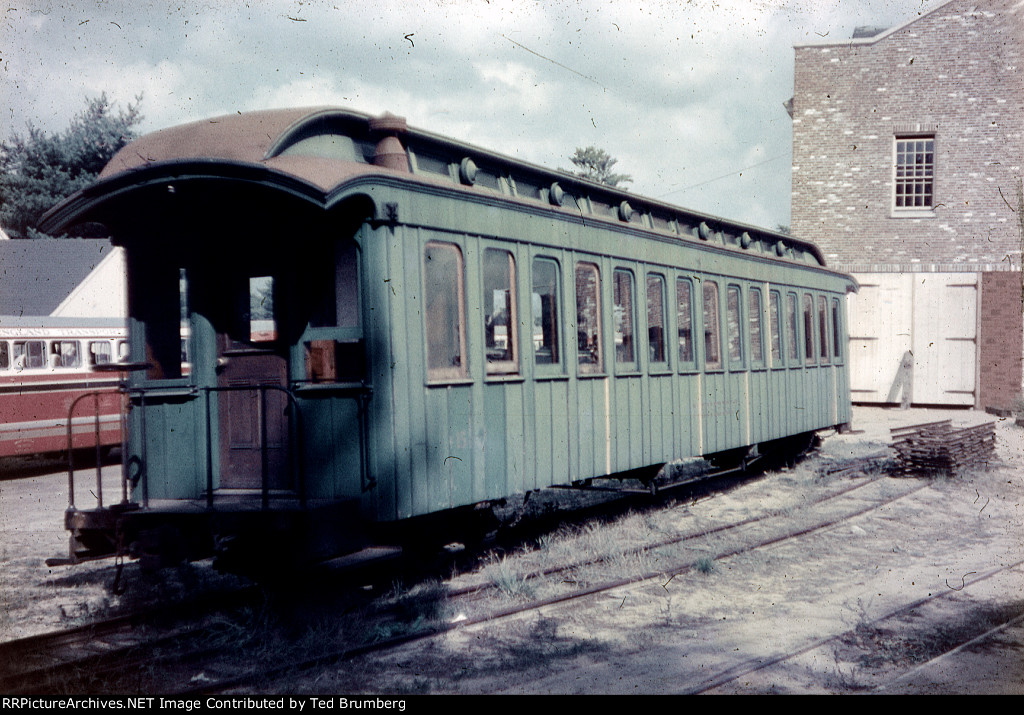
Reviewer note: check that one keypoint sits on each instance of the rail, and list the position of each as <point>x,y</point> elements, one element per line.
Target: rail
<point>142,395</point>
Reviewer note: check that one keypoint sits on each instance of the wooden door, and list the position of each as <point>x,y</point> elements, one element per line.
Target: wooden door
<point>253,409</point>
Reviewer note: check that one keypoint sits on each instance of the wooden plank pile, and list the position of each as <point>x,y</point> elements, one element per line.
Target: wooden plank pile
<point>938,447</point>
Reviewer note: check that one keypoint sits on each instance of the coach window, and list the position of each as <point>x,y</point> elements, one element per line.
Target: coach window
<point>837,345</point>
<point>445,312</point>
<point>656,321</point>
<point>588,318</point>
<point>808,329</point>
<point>100,352</point>
<point>500,318</point>
<point>756,332</point>
<point>625,318</point>
<point>712,328</point>
<point>684,320</point>
<point>775,326</point>
<point>544,303</point>
<point>262,324</point>
<point>30,354</point>
<point>65,353</point>
<point>733,325</point>
<point>823,327</point>
<point>792,346</point>
<point>5,356</point>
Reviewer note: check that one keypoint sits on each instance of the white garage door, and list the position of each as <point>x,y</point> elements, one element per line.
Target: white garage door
<point>914,331</point>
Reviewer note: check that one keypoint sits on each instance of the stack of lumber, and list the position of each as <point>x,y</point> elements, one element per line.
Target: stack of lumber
<point>940,447</point>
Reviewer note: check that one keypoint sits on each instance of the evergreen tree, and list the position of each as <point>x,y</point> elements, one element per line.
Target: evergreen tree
<point>596,164</point>
<point>38,170</point>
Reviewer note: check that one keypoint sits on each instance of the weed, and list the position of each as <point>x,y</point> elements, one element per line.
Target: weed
<point>705,564</point>
<point>507,580</point>
<point>839,679</point>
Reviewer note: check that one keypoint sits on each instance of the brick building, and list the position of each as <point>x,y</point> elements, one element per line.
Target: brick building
<point>907,152</point>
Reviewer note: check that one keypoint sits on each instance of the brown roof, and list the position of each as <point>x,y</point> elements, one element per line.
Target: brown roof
<point>243,138</point>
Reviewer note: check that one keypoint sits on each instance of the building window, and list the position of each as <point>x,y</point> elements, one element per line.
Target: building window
<point>915,173</point>
<point>588,317</point>
<point>445,315</point>
<point>500,319</point>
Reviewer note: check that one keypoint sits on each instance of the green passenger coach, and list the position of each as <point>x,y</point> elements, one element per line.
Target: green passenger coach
<point>336,321</point>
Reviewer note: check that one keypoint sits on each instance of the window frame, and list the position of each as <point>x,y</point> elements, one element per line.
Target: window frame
<point>755,328</point>
<point>686,364</point>
<point>556,367</point>
<point>777,349</point>
<point>622,365</point>
<point>824,351</point>
<point>903,162</point>
<point>596,368</point>
<point>21,348</point>
<point>734,327</point>
<point>455,373</point>
<point>810,344</point>
<point>712,338</point>
<point>791,347</point>
<point>657,280</point>
<point>505,367</point>
<point>837,343</point>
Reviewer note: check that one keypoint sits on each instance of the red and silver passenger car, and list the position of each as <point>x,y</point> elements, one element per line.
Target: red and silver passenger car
<point>49,365</point>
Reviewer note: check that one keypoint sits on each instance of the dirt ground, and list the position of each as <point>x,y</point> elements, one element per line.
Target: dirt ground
<point>681,636</point>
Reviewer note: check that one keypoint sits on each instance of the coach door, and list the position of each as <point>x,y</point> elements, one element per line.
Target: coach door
<point>252,405</point>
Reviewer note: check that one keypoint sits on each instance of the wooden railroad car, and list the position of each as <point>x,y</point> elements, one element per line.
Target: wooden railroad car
<point>386,324</point>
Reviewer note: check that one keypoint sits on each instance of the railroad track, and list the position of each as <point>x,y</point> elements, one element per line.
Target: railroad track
<point>885,676</point>
<point>185,662</point>
<point>572,589</point>
<point>57,660</point>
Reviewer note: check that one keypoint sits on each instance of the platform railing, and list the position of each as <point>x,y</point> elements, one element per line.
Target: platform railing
<point>95,395</point>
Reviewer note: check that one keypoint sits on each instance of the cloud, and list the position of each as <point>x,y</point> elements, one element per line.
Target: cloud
<point>687,94</point>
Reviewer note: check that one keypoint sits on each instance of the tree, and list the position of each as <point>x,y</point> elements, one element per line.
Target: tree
<point>39,170</point>
<point>596,165</point>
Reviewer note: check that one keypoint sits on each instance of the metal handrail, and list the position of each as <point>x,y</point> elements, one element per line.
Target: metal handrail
<point>95,395</point>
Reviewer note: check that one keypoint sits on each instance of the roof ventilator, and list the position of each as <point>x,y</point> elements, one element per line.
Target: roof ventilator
<point>467,171</point>
<point>390,153</point>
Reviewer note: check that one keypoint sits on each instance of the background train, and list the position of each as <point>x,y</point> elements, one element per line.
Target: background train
<point>385,324</point>
<point>46,365</point>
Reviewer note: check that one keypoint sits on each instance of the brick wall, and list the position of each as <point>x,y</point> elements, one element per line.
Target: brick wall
<point>1000,336</point>
<point>956,71</point>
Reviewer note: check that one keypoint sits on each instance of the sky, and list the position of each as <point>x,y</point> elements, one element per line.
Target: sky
<point>688,95</point>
